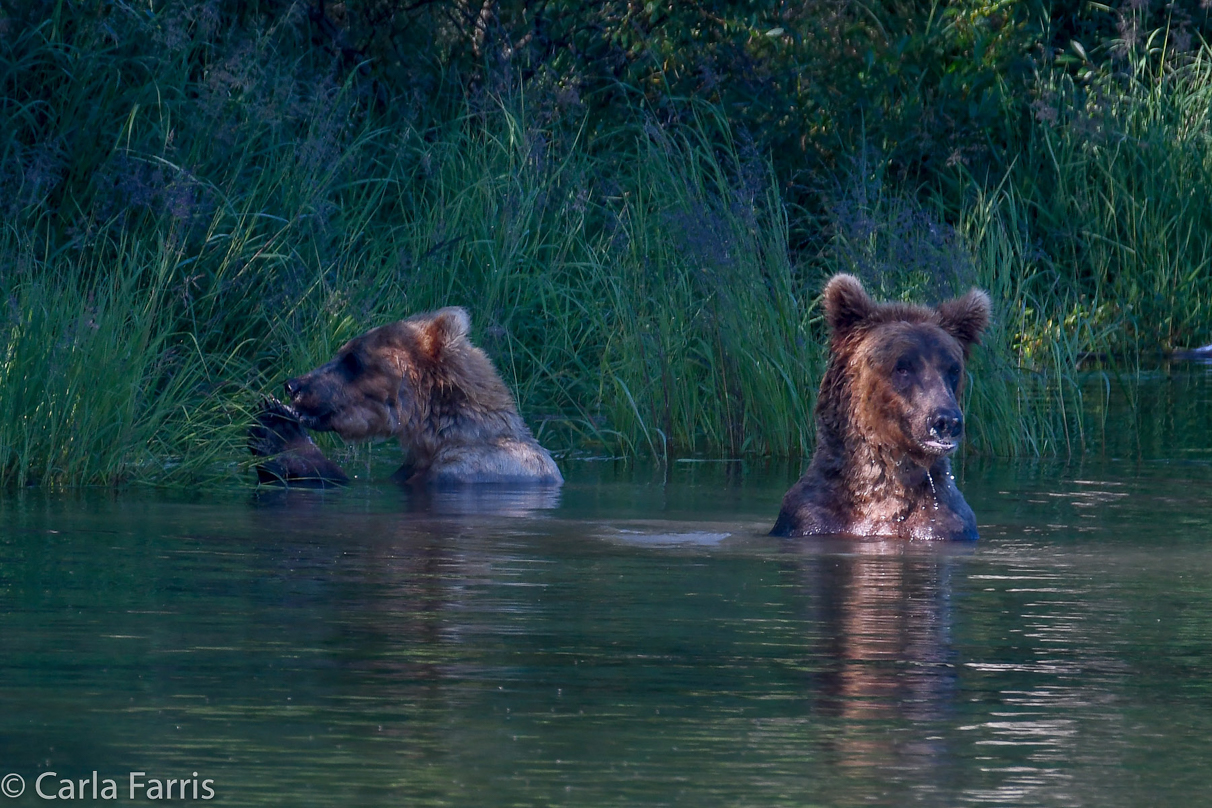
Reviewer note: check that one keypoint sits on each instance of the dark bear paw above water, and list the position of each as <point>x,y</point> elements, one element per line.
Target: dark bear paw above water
<point>276,426</point>
<point>292,458</point>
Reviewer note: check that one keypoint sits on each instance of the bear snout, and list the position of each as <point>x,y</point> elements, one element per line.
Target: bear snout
<point>310,401</point>
<point>947,426</point>
<point>307,397</point>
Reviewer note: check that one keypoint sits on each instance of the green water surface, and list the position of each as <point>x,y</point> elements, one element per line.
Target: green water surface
<point>635,641</point>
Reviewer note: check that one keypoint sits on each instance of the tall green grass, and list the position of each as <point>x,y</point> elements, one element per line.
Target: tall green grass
<point>1024,398</point>
<point>175,248</point>
<point>1116,177</point>
<point>95,387</point>
<point>710,345</point>
<point>1097,246</point>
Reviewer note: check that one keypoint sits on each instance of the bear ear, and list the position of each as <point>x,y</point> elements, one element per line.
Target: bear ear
<point>965,317</point>
<point>846,304</point>
<point>446,328</point>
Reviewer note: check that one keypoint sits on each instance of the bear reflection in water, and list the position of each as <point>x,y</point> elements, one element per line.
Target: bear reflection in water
<point>421,381</point>
<point>887,662</point>
<point>888,420</point>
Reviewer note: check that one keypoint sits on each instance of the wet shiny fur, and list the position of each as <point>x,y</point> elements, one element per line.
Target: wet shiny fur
<point>421,381</point>
<point>887,420</point>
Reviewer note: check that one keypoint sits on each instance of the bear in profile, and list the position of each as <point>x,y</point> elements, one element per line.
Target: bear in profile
<point>421,381</point>
<point>888,420</point>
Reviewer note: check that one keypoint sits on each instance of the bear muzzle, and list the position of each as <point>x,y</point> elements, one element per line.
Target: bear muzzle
<point>946,429</point>
<point>313,412</point>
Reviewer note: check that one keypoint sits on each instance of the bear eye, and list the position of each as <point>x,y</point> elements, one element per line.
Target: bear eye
<point>903,368</point>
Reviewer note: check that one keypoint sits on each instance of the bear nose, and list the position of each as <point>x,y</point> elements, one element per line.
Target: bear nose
<point>292,387</point>
<point>947,425</point>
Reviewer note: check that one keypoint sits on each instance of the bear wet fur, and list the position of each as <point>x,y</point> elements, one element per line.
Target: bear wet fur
<point>421,381</point>
<point>887,420</point>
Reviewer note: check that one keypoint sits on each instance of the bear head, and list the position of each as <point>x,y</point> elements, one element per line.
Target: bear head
<point>896,370</point>
<point>391,379</point>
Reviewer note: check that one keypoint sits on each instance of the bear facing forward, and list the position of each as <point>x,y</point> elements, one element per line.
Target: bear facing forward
<point>422,381</point>
<point>887,420</point>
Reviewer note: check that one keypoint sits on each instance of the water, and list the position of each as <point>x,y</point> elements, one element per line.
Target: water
<point>641,642</point>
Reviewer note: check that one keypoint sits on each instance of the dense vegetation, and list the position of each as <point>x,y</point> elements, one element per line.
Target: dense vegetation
<point>637,202</point>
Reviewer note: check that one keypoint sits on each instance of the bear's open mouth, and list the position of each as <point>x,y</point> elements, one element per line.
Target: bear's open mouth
<point>316,422</point>
<point>945,446</point>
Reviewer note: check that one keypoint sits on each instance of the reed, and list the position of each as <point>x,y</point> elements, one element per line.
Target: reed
<point>172,249</point>
<point>1026,394</point>
<point>1115,176</point>
<point>94,389</point>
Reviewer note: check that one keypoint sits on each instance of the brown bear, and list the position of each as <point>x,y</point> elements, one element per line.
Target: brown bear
<point>887,420</point>
<point>423,382</point>
<point>293,458</point>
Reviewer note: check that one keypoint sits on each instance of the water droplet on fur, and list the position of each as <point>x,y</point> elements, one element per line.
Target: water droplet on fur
<point>933,490</point>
